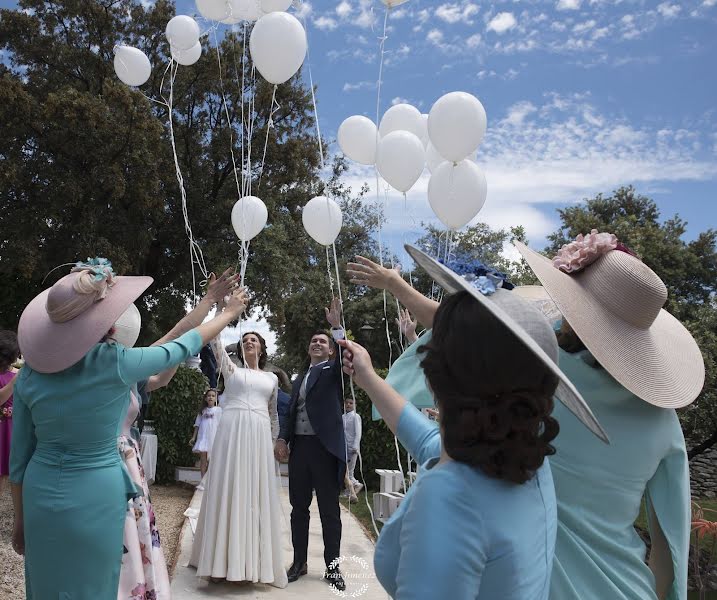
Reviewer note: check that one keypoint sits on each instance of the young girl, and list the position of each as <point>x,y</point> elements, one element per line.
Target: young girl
<point>9,353</point>
<point>205,427</point>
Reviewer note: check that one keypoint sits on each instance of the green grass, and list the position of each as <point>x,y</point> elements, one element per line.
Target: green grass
<point>361,512</point>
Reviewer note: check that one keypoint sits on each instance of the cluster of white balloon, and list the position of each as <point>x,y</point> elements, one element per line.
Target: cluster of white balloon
<point>445,139</point>
<point>278,47</point>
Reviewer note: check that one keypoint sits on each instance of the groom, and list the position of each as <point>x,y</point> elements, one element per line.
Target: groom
<point>314,429</point>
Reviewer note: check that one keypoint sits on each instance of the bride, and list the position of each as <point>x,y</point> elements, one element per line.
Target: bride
<point>239,531</point>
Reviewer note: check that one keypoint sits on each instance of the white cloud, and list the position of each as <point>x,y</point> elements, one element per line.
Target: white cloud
<point>568,4</point>
<point>366,17</point>
<point>399,100</point>
<point>399,13</point>
<point>325,23</point>
<point>344,9</point>
<point>361,85</point>
<point>669,11</point>
<point>435,36</point>
<point>502,22</point>
<point>454,13</point>
<point>304,10</point>
<point>518,112</point>
<point>585,26</point>
<point>709,3</point>
<point>474,41</point>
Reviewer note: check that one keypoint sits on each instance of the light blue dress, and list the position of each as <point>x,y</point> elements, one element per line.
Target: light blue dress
<point>64,453</point>
<point>598,554</point>
<point>459,534</point>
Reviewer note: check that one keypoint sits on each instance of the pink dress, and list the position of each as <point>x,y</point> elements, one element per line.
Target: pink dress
<point>5,427</point>
<point>144,570</point>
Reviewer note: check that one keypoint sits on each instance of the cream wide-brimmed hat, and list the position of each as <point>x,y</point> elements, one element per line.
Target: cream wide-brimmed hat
<point>613,302</point>
<point>60,325</point>
<point>524,322</point>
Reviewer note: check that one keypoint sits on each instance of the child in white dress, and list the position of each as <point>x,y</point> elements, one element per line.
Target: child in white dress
<point>205,427</point>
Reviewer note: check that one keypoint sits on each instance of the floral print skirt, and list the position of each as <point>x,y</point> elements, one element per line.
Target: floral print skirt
<point>144,571</point>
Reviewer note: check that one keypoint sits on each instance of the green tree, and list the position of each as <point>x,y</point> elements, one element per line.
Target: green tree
<point>87,167</point>
<point>688,268</point>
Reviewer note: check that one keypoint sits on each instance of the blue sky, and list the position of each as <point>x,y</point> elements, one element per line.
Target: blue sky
<point>581,95</point>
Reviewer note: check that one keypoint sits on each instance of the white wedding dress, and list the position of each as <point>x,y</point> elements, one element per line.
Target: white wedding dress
<point>241,528</point>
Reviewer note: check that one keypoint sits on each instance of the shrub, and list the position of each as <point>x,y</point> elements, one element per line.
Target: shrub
<point>173,410</point>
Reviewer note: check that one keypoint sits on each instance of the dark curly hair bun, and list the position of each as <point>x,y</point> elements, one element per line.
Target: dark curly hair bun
<point>494,395</point>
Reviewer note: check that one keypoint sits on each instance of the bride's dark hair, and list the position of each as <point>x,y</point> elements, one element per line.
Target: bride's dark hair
<point>494,395</point>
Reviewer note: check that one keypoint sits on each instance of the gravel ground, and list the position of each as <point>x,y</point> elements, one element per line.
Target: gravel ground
<point>170,502</point>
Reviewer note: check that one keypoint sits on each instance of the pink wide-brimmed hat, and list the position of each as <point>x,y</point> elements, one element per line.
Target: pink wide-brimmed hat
<point>60,325</point>
<point>613,302</point>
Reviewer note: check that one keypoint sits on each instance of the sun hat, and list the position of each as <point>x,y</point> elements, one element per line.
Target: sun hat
<point>613,302</point>
<point>537,295</point>
<point>60,325</point>
<point>520,318</point>
<point>128,326</point>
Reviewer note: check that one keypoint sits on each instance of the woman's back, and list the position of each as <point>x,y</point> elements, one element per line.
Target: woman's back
<point>600,488</point>
<point>483,537</point>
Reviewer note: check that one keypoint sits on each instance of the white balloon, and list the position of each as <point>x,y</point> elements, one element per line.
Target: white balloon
<point>401,117</point>
<point>278,46</point>
<point>214,10</point>
<point>456,125</point>
<point>357,139</point>
<point>132,65</point>
<point>322,219</point>
<point>269,6</point>
<point>457,192</point>
<point>424,131</point>
<point>433,159</point>
<point>187,57</point>
<point>249,216</point>
<point>128,326</point>
<point>400,159</point>
<point>245,10</point>
<point>182,32</point>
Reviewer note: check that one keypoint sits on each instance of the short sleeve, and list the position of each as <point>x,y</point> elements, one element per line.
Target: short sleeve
<point>418,435</point>
<point>22,445</point>
<point>668,497</point>
<point>136,364</point>
<point>443,550</point>
<point>198,420</point>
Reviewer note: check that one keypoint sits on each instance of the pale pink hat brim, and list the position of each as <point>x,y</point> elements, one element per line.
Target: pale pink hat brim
<point>49,347</point>
<point>662,364</point>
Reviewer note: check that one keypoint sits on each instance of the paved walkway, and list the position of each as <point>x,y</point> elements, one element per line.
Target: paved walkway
<point>355,546</point>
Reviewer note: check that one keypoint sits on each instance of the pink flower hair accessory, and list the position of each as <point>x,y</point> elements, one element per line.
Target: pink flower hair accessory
<point>585,250</point>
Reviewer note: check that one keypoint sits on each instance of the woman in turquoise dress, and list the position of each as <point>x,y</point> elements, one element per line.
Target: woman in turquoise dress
<point>70,487</point>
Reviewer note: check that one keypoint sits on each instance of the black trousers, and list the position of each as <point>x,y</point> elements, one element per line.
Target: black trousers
<point>313,467</point>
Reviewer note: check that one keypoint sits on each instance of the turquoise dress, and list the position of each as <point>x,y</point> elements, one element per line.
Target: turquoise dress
<point>462,535</point>
<point>74,484</point>
<point>598,554</point>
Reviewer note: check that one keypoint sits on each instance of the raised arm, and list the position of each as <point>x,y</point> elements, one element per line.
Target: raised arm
<point>140,363</point>
<point>224,361</point>
<point>367,272</point>
<point>216,291</point>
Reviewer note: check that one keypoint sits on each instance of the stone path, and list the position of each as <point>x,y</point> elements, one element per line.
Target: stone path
<point>357,565</point>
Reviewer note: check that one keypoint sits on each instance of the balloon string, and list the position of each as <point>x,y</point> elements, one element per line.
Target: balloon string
<point>195,252</point>
<point>226,111</point>
<point>313,96</point>
<point>269,124</point>
<point>328,271</point>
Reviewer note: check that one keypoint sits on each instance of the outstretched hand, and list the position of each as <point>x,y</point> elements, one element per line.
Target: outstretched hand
<point>333,314</point>
<point>236,302</point>
<point>220,287</point>
<point>357,362</point>
<point>367,272</point>
<point>407,325</point>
